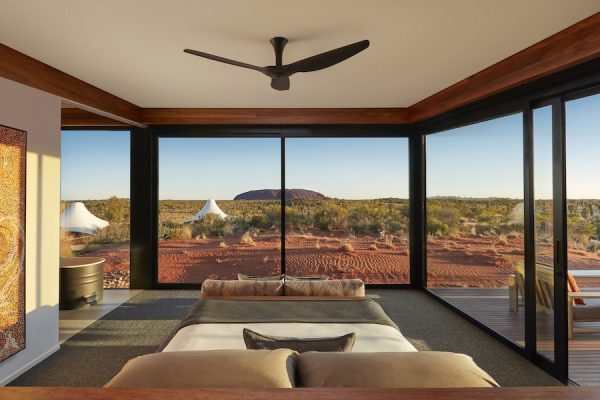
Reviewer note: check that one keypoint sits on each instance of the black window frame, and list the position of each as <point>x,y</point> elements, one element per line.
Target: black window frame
<point>281,132</point>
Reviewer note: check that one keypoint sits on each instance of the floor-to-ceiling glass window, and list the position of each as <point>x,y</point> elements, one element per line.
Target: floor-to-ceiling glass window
<point>583,232</point>
<point>475,221</point>
<point>219,208</point>
<point>544,230</point>
<point>347,208</point>
<point>95,200</point>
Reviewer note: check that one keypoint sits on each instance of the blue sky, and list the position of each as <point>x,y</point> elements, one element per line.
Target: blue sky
<point>193,168</point>
<point>481,160</point>
<point>583,148</point>
<point>94,164</point>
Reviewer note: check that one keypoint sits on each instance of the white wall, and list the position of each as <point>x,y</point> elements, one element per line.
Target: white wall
<point>38,113</point>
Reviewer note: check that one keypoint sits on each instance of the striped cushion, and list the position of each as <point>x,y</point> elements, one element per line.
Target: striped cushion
<point>212,287</point>
<point>333,287</point>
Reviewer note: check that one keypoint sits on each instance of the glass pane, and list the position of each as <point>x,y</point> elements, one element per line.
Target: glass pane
<point>347,208</point>
<point>219,208</point>
<point>95,200</point>
<point>583,229</point>
<point>475,220</point>
<point>544,236</point>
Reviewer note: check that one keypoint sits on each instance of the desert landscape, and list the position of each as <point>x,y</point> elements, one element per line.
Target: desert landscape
<point>471,242</point>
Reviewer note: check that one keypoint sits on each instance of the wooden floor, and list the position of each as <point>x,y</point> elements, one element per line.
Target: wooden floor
<point>490,306</point>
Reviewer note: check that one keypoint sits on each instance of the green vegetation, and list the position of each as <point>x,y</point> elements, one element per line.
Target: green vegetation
<point>372,217</point>
<point>460,216</point>
<point>447,216</point>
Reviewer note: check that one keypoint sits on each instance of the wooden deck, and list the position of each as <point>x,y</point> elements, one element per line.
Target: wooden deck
<point>490,306</point>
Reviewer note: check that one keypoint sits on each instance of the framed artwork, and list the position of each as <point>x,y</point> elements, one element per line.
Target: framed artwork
<point>13,154</point>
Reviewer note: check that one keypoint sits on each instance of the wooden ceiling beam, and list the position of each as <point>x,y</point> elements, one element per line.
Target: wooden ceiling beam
<point>21,68</point>
<point>572,46</point>
<point>273,116</point>
<point>75,117</point>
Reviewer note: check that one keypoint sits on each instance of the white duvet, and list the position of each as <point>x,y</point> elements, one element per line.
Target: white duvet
<point>369,337</point>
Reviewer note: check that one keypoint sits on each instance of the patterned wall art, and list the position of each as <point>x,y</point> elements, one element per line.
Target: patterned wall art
<point>13,153</point>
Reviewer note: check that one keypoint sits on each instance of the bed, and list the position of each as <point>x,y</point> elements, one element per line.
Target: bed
<point>217,322</point>
<point>209,347</point>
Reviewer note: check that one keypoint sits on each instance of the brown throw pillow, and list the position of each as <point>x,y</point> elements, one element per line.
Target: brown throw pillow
<point>243,277</point>
<point>332,287</point>
<point>212,287</point>
<point>256,341</point>
<point>209,369</point>
<point>418,369</point>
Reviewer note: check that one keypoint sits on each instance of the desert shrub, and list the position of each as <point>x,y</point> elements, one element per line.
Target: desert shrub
<point>347,247</point>
<point>212,225</point>
<point>331,216</point>
<point>593,246</point>
<point>112,234</point>
<point>434,227</point>
<point>116,209</point>
<point>177,232</point>
<point>222,245</point>
<point>247,240</point>
<point>580,230</point>
<point>259,222</point>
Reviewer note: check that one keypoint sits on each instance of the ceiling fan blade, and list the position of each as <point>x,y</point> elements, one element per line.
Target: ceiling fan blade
<point>226,60</point>
<point>282,83</point>
<point>327,59</point>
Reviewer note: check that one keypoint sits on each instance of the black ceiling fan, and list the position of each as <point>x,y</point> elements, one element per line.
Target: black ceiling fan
<point>280,74</point>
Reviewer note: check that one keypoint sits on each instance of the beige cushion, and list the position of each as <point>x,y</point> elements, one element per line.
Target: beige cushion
<point>212,368</point>
<point>256,341</point>
<point>423,369</point>
<point>243,277</point>
<point>586,313</point>
<point>332,287</point>
<point>212,287</point>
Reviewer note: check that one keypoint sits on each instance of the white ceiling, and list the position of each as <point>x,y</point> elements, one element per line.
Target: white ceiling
<point>133,48</point>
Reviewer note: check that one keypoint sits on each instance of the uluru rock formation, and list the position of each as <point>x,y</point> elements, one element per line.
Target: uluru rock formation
<point>275,194</point>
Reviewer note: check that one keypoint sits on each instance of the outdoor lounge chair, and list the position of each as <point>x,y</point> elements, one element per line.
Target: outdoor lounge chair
<point>544,294</point>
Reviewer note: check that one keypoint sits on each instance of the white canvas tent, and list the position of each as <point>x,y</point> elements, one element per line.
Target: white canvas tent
<point>210,207</point>
<point>76,218</point>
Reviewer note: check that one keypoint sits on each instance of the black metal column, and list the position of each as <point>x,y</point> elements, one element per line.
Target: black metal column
<point>560,238</point>
<point>529,222</point>
<point>141,192</point>
<point>282,192</point>
<point>417,206</point>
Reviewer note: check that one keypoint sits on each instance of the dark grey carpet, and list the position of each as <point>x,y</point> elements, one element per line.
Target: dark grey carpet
<point>431,326</point>
<point>96,354</point>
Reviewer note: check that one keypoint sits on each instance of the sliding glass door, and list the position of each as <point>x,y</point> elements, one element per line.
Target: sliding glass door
<point>543,200</point>
<point>475,222</point>
<point>582,123</point>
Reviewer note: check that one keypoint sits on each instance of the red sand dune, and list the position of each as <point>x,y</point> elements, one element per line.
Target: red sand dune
<point>453,262</point>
